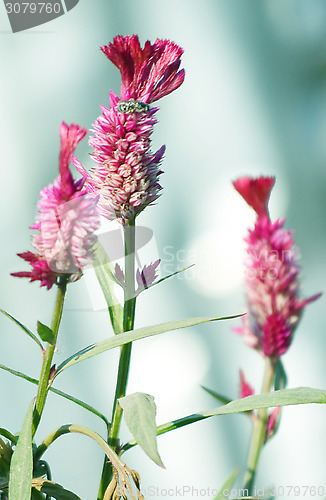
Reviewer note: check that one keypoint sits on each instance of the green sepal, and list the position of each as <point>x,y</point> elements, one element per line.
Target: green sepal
<point>45,333</point>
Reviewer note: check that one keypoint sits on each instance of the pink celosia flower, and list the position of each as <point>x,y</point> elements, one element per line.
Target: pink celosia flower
<point>126,176</point>
<point>245,388</point>
<point>271,275</point>
<point>66,221</point>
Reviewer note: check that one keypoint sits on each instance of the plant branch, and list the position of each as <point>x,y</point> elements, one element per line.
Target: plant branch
<point>259,429</point>
<point>43,386</point>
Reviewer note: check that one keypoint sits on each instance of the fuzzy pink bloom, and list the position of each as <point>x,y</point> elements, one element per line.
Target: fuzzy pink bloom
<point>126,176</point>
<point>65,222</point>
<point>245,388</point>
<point>271,280</point>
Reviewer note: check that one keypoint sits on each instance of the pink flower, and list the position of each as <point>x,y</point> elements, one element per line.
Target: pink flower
<point>66,221</point>
<point>271,280</point>
<point>126,176</point>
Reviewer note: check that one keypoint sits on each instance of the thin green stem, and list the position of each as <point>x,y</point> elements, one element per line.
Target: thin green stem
<point>125,350</point>
<point>8,435</point>
<point>43,386</point>
<point>69,428</point>
<point>259,430</point>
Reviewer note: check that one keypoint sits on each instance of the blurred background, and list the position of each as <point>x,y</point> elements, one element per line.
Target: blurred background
<point>253,102</point>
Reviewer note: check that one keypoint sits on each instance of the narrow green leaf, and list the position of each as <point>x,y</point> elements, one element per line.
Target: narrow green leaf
<point>131,336</point>
<point>217,396</point>
<point>21,467</point>
<point>8,435</point>
<point>59,393</point>
<point>23,327</point>
<point>54,490</point>
<point>283,397</point>
<point>106,278</point>
<point>224,492</point>
<point>165,278</point>
<point>139,411</point>
<point>281,379</point>
<point>45,333</point>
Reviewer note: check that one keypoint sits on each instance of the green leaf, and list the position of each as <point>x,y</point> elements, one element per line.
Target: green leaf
<point>283,397</point>
<point>217,396</point>
<point>45,333</point>
<point>165,278</point>
<point>281,380</point>
<point>59,393</point>
<point>21,467</point>
<point>106,278</point>
<point>23,327</point>
<point>227,486</point>
<point>139,412</point>
<point>54,490</point>
<point>131,336</point>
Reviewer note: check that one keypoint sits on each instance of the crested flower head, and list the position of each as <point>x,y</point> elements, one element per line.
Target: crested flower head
<point>65,222</point>
<point>126,175</point>
<point>271,281</point>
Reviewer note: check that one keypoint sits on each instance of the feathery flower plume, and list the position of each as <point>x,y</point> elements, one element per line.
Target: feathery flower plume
<point>271,281</point>
<point>66,221</point>
<point>126,175</point>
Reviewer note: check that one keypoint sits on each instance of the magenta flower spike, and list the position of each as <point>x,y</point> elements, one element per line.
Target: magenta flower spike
<point>65,222</point>
<point>271,280</point>
<point>126,175</point>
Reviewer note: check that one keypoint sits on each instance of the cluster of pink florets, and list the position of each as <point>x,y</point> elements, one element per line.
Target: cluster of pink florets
<point>125,179</point>
<point>271,279</point>
<point>126,176</point>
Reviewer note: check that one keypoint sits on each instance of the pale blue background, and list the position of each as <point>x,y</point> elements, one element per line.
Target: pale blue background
<point>254,102</point>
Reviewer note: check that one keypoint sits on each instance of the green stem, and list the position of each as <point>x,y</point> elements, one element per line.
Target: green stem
<point>43,386</point>
<point>259,430</point>
<point>8,435</point>
<point>125,350</point>
<point>69,428</point>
